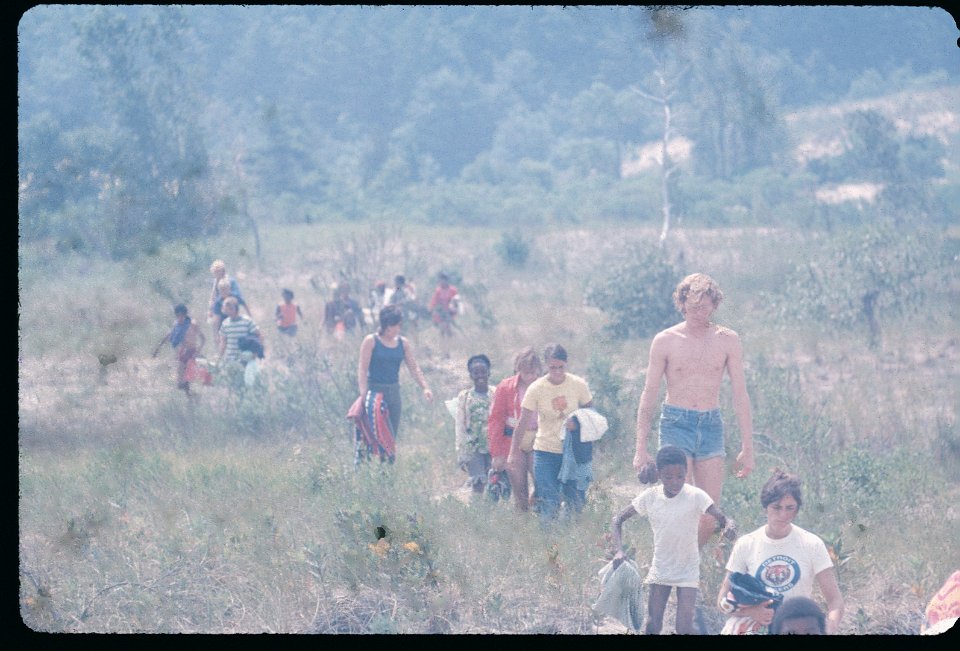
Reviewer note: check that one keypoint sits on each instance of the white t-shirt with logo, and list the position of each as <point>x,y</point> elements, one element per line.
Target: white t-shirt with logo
<point>675,521</point>
<point>787,565</point>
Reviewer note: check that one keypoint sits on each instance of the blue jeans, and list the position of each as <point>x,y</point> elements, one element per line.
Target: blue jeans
<point>549,488</point>
<point>698,433</point>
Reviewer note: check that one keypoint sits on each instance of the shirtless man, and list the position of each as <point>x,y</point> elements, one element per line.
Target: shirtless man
<point>693,356</point>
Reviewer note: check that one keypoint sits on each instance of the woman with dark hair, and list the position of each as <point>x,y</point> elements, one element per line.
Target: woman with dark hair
<point>782,556</point>
<point>551,398</point>
<point>505,416</point>
<point>378,372</point>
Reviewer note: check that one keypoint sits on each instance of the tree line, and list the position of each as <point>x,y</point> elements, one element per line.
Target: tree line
<point>142,124</point>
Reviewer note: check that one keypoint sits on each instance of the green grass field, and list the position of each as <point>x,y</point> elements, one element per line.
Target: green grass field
<point>143,511</point>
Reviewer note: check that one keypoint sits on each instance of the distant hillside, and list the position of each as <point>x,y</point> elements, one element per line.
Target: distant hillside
<point>928,112</point>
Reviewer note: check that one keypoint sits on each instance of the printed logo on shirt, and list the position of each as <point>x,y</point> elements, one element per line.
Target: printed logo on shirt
<point>559,403</point>
<point>779,572</point>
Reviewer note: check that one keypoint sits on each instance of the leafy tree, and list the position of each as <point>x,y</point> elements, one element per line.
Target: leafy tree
<point>737,123</point>
<point>450,119</point>
<point>636,293</point>
<point>160,162</point>
<point>856,280</point>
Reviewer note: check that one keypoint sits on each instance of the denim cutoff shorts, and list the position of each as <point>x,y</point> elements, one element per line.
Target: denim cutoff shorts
<point>698,433</point>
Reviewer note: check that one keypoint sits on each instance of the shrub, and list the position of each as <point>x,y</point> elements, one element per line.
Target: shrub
<point>636,293</point>
<point>513,248</point>
<point>857,279</point>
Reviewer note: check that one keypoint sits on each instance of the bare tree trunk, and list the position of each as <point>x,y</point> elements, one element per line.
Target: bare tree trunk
<point>667,167</point>
<point>665,170</point>
<point>244,207</point>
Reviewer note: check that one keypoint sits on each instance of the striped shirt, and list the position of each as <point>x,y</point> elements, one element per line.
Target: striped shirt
<point>232,330</point>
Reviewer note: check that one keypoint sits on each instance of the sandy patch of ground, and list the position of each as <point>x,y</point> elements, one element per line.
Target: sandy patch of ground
<point>859,192</point>
<point>651,155</point>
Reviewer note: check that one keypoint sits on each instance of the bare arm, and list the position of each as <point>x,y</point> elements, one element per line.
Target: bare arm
<point>761,613</point>
<point>718,516</point>
<point>526,417</point>
<point>162,342</point>
<point>366,351</point>
<point>741,406</point>
<point>830,589</point>
<point>460,430</point>
<point>656,368</point>
<point>616,532</point>
<point>415,371</point>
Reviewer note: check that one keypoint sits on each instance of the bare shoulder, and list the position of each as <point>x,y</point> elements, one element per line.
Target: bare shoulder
<point>724,331</point>
<point>729,340</point>
<point>664,337</point>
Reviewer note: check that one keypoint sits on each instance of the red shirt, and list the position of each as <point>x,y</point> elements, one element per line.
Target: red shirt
<point>506,405</point>
<point>286,314</point>
<point>442,297</point>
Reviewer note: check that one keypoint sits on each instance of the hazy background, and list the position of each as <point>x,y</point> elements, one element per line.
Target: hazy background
<point>140,124</point>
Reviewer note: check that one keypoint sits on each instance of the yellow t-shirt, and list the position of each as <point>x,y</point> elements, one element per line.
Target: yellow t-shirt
<point>553,403</point>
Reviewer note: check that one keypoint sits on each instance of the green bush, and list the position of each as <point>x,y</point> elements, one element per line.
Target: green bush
<point>513,248</point>
<point>857,279</point>
<point>636,293</point>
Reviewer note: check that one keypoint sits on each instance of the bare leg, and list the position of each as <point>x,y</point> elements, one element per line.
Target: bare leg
<point>686,603</point>
<point>518,474</point>
<point>533,497</point>
<point>708,476</point>
<point>656,604</point>
<point>215,324</point>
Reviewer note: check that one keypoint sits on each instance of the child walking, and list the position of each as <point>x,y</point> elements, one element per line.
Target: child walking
<point>187,341</point>
<point>673,510</point>
<point>472,412</point>
<point>287,313</point>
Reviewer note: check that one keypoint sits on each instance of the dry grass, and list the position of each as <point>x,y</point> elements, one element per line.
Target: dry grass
<point>142,511</point>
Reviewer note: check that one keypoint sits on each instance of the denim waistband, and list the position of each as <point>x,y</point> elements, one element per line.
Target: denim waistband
<point>680,411</point>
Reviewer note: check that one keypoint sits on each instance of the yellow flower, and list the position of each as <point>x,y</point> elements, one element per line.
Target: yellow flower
<point>381,548</point>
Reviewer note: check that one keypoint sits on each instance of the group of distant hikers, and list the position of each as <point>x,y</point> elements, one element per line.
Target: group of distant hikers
<point>239,341</point>
<point>540,426</point>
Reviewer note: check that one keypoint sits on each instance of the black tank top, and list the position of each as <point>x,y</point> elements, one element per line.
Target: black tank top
<point>385,362</point>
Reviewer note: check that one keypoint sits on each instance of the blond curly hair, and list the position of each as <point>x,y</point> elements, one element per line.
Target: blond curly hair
<point>697,284</point>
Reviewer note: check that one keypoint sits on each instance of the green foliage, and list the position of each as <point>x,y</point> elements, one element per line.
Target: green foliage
<point>606,387</point>
<point>738,121</point>
<point>159,162</point>
<point>635,292</point>
<point>856,279</point>
<point>513,248</point>
<point>947,447</point>
<point>476,295</point>
<point>434,115</point>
